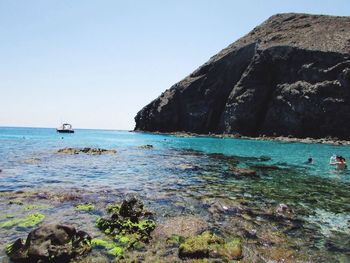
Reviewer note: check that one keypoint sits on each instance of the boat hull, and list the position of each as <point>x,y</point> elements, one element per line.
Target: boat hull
<point>65,131</point>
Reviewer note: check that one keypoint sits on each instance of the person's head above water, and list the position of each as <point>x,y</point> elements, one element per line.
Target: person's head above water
<point>309,160</point>
<point>340,159</point>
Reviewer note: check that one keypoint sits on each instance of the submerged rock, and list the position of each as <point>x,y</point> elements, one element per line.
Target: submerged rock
<point>243,172</point>
<point>218,207</point>
<point>24,222</point>
<point>226,158</point>
<point>185,226</point>
<point>15,202</point>
<point>188,167</point>
<point>338,242</point>
<point>93,258</point>
<point>147,146</point>
<point>85,207</point>
<point>51,243</point>
<point>111,248</point>
<point>266,168</point>
<point>281,208</point>
<point>33,160</point>
<point>208,245</point>
<point>87,150</point>
<point>264,158</point>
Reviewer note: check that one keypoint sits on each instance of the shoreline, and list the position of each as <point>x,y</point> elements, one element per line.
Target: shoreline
<point>283,139</point>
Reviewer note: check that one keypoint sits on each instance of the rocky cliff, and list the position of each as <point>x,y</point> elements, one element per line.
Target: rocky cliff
<point>288,76</point>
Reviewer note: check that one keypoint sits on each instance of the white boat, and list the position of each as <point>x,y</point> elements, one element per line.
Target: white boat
<point>65,128</point>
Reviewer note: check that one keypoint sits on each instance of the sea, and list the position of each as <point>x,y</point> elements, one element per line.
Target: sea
<point>286,210</point>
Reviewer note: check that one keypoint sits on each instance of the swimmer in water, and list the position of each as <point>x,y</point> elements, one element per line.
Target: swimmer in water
<point>309,160</point>
<point>339,161</point>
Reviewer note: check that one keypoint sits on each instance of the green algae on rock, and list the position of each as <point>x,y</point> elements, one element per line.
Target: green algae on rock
<point>208,245</point>
<point>112,208</point>
<point>26,206</point>
<point>85,207</point>
<point>50,243</point>
<point>129,224</point>
<point>175,240</point>
<point>127,231</point>
<point>111,247</point>
<point>28,221</point>
<point>87,150</point>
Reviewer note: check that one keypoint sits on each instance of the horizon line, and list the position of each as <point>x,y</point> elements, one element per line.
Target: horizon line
<point>34,127</point>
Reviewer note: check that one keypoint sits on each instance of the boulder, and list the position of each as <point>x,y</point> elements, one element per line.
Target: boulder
<point>131,207</point>
<point>129,224</point>
<point>51,243</point>
<point>208,245</point>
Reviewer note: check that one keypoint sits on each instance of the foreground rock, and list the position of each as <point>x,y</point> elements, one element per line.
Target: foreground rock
<point>129,224</point>
<point>87,150</point>
<point>51,243</point>
<point>288,76</point>
<point>208,245</point>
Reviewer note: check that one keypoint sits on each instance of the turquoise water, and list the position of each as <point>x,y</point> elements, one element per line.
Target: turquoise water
<point>189,176</point>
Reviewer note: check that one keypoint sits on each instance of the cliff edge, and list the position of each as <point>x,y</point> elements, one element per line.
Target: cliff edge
<point>288,76</point>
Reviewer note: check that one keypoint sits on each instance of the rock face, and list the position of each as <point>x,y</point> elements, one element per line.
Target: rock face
<point>288,76</point>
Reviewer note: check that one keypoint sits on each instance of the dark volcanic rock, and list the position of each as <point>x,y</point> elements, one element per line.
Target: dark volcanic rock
<point>51,243</point>
<point>289,76</point>
<point>129,222</point>
<point>131,207</point>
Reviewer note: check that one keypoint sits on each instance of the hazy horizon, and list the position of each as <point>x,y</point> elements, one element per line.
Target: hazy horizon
<point>75,128</point>
<point>96,64</point>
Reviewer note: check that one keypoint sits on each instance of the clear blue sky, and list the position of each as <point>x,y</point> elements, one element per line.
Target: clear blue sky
<point>96,63</point>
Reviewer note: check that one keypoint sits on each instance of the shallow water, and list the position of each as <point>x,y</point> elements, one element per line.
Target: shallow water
<point>186,176</point>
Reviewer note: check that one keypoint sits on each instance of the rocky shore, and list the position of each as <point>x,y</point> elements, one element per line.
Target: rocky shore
<point>131,233</point>
<point>126,232</point>
<point>286,139</point>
